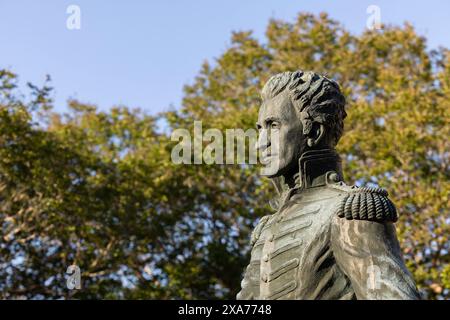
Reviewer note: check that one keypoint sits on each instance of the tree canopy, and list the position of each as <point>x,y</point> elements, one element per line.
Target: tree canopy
<point>98,188</point>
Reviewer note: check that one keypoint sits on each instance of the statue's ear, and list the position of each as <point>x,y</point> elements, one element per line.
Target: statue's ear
<point>316,134</point>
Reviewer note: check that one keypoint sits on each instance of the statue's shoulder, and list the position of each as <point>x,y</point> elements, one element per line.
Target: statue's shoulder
<point>364,203</point>
<point>259,227</point>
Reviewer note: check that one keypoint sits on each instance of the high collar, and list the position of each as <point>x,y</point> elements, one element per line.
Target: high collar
<point>313,168</point>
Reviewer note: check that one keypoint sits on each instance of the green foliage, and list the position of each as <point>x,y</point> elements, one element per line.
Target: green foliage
<point>98,189</point>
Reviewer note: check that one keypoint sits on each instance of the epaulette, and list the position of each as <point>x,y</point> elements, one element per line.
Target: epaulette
<point>257,231</point>
<point>366,203</point>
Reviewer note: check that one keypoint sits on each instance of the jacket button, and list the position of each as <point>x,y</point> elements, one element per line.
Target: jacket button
<point>266,258</point>
<point>334,177</point>
<point>264,277</point>
<point>271,238</point>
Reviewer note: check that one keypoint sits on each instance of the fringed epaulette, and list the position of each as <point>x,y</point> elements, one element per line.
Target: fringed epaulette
<point>257,231</point>
<point>367,203</point>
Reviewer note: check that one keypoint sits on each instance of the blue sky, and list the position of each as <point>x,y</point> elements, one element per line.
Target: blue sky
<point>141,53</point>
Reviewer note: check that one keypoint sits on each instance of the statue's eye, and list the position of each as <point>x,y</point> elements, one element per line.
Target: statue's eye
<point>274,125</point>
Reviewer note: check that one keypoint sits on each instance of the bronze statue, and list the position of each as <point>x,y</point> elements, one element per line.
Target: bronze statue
<point>326,240</point>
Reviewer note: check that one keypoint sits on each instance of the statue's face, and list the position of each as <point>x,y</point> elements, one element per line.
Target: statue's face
<point>280,140</point>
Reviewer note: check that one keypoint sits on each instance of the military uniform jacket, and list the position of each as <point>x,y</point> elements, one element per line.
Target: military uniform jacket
<point>328,241</point>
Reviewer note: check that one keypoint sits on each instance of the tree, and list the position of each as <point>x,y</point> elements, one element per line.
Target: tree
<point>98,189</point>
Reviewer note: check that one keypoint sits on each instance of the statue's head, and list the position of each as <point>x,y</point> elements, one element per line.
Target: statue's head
<point>300,111</point>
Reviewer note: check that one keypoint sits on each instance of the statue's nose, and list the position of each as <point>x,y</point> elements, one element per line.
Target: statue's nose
<point>263,140</point>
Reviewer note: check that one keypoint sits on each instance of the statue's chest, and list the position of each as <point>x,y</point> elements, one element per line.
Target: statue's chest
<point>284,245</point>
